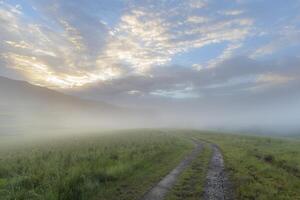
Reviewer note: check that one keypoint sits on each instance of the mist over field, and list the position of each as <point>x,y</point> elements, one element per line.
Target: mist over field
<point>26,108</point>
<point>31,109</point>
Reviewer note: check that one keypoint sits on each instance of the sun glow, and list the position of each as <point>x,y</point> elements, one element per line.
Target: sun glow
<point>40,74</point>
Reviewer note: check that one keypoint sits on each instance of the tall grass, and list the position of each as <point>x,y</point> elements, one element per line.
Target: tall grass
<point>112,166</point>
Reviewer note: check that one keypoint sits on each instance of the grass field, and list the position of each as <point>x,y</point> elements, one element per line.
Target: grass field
<point>125,164</point>
<point>260,167</point>
<point>111,166</point>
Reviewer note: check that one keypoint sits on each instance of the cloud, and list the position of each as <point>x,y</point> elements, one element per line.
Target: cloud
<point>197,4</point>
<point>232,12</point>
<point>281,38</point>
<point>197,19</point>
<point>226,54</point>
<point>67,47</point>
<point>139,41</point>
<point>52,56</point>
<point>147,37</point>
<point>232,78</point>
<point>130,48</point>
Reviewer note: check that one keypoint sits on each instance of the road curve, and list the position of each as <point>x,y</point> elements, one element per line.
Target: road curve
<point>159,191</point>
<point>217,185</point>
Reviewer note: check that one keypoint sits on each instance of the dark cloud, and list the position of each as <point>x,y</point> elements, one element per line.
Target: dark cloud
<point>234,78</point>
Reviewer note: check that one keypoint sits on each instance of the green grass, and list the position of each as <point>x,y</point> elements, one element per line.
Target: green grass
<point>112,166</point>
<point>260,167</point>
<point>125,164</point>
<point>191,182</point>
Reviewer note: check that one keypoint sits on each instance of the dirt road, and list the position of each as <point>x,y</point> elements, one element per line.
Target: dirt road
<point>217,185</point>
<point>159,191</point>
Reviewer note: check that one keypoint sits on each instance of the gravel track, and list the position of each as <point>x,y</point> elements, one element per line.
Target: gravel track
<point>217,185</point>
<point>159,191</point>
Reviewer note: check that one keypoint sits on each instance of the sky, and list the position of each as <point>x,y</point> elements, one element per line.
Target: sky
<point>217,51</point>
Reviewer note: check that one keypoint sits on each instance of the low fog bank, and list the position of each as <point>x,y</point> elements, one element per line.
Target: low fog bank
<point>251,120</point>
<point>25,108</point>
<point>279,121</point>
<point>28,109</point>
<point>31,119</point>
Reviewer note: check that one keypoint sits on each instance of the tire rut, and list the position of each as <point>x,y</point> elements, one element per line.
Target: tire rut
<point>159,191</point>
<point>217,185</point>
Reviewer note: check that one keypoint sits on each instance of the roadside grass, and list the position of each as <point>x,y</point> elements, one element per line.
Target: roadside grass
<point>114,166</point>
<point>190,185</point>
<point>261,168</point>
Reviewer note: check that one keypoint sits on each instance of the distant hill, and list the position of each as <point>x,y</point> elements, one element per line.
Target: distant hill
<point>21,93</point>
<point>23,105</point>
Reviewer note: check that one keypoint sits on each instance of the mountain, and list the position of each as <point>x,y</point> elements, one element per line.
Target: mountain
<point>25,106</point>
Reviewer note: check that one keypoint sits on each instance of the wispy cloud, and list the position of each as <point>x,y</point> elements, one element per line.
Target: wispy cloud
<point>106,43</point>
<point>59,54</point>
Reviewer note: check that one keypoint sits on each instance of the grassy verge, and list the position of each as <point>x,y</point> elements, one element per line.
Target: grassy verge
<point>260,167</point>
<point>113,166</point>
<point>191,182</point>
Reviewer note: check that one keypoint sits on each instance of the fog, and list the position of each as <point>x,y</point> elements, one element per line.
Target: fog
<point>29,109</point>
